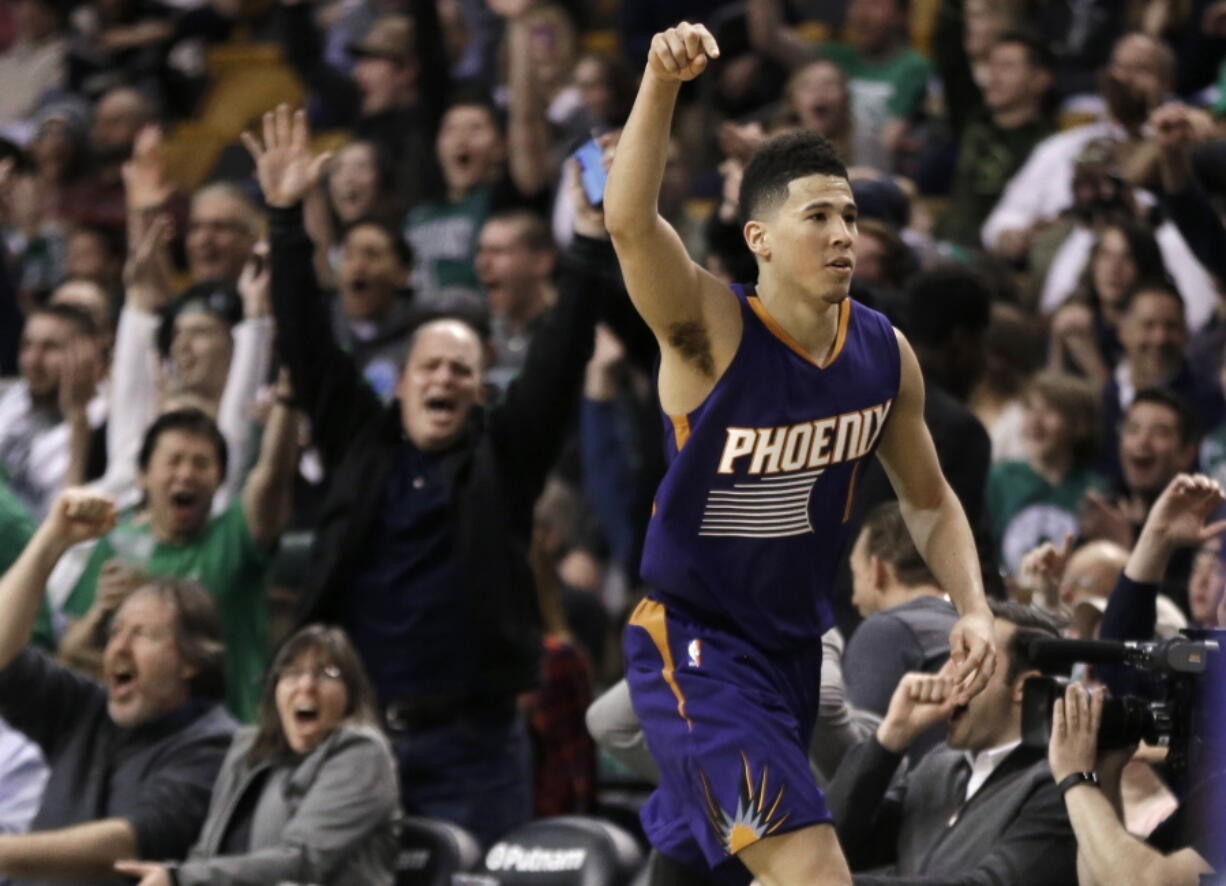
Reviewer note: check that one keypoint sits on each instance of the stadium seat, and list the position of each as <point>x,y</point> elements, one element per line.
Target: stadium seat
<point>569,850</point>
<point>432,850</point>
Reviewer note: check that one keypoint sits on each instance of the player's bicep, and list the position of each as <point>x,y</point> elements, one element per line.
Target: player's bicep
<point>906,451</point>
<point>693,315</point>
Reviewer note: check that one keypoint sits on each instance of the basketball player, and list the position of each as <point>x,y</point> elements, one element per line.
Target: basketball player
<point>775,396</point>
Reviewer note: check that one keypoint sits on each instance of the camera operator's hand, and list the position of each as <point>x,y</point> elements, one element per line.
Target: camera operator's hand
<point>919,701</point>
<point>1176,520</point>
<point>1074,731</point>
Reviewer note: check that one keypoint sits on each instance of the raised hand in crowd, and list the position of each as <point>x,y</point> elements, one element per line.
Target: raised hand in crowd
<point>75,516</point>
<point>147,187</point>
<point>919,702</point>
<point>80,371</point>
<point>1072,343</point>
<point>78,515</point>
<point>1041,570</point>
<point>1177,129</point>
<point>284,165</point>
<point>1178,519</point>
<point>1105,518</point>
<point>147,275</point>
<point>253,283</point>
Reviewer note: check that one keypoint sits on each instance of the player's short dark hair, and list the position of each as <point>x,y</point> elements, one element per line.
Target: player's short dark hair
<point>1031,624</point>
<point>778,162</point>
<point>1151,287</point>
<point>401,246</point>
<point>886,536</point>
<point>189,421</point>
<point>81,321</point>
<point>1188,425</point>
<point>945,298</point>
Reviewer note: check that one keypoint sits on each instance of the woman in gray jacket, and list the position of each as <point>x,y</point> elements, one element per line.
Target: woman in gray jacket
<point>306,795</point>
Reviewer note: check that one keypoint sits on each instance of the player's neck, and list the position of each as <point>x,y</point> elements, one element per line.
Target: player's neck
<point>811,321</point>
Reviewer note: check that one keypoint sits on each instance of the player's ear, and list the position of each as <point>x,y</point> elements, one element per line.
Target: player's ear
<point>757,238</point>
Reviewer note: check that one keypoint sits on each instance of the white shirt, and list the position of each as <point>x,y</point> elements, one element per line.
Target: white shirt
<point>34,445</point>
<point>1043,187</point>
<point>984,764</point>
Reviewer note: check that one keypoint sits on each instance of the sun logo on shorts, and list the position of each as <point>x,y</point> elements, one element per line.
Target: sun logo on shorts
<point>753,820</point>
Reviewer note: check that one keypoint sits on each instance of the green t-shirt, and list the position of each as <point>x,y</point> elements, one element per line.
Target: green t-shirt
<point>880,91</point>
<point>16,525</point>
<point>228,563</point>
<point>16,528</point>
<point>1026,510</point>
<point>444,240</point>
<point>987,158</point>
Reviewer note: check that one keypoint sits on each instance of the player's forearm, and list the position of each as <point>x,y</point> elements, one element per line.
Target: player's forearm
<point>943,537</point>
<point>80,853</point>
<point>633,190</point>
<point>21,592</point>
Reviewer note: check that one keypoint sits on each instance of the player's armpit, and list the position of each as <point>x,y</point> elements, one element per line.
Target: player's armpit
<point>695,317</point>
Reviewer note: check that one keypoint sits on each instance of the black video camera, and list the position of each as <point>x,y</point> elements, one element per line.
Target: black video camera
<point>1178,663</point>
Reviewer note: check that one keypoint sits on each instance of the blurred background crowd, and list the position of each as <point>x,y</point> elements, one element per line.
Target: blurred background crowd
<point>415,402</point>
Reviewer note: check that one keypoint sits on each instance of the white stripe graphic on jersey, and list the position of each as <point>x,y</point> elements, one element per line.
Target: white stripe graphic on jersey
<point>768,507</point>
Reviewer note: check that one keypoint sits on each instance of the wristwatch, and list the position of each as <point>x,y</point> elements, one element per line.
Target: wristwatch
<point>1076,778</point>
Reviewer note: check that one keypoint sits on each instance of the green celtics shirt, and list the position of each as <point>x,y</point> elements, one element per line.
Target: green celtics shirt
<point>228,563</point>
<point>880,90</point>
<point>1026,510</point>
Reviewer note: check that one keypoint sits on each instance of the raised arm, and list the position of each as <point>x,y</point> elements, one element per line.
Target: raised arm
<point>75,516</point>
<point>938,525</point>
<point>253,339</point>
<point>770,35</point>
<point>694,317</point>
<point>326,383</point>
<point>527,124</point>
<point>268,493</point>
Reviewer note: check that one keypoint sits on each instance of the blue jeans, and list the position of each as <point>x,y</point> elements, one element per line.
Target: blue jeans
<point>475,771</point>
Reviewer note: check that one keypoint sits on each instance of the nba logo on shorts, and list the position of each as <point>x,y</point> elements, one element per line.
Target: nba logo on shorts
<point>695,651</point>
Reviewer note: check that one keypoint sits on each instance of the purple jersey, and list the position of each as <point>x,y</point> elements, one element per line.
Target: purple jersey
<point>750,519</point>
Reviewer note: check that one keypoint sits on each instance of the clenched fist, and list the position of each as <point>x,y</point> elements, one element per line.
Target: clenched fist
<point>681,53</point>
<point>79,515</point>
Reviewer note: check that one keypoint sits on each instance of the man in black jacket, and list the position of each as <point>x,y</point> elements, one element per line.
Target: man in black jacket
<point>421,551</point>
